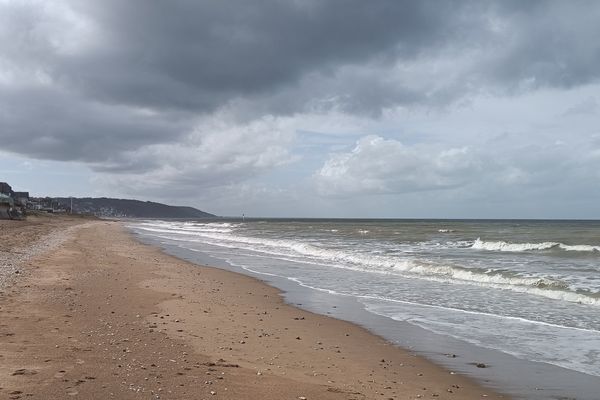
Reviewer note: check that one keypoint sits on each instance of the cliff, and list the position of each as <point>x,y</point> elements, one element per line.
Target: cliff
<point>107,207</point>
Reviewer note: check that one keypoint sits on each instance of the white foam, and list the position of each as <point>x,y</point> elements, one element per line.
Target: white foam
<point>520,338</point>
<point>580,247</point>
<point>519,247</point>
<point>185,229</point>
<point>516,247</point>
<point>386,264</point>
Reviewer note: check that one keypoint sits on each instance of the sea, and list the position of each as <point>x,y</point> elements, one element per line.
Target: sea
<point>520,298</point>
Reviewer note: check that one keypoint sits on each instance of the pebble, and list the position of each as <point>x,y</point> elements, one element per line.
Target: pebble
<point>13,262</point>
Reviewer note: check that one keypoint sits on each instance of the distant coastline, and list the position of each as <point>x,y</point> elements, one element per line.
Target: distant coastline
<point>129,208</point>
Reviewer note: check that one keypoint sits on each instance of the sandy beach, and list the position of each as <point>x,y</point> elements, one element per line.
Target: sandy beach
<point>96,315</point>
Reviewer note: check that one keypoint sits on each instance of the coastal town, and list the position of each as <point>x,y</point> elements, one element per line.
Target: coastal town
<point>16,205</point>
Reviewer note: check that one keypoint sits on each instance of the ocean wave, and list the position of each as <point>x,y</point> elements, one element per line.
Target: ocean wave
<point>446,230</point>
<point>188,227</point>
<point>580,247</point>
<point>545,287</point>
<point>519,247</point>
<point>369,262</point>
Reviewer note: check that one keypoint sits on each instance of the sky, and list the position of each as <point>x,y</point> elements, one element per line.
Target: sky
<point>307,108</point>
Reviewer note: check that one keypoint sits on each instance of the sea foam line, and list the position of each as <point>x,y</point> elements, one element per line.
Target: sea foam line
<point>519,247</point>
<point>412,303</point>
<point>545,287</point>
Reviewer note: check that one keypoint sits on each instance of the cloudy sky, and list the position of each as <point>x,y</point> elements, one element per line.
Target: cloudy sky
<point>309,108</point>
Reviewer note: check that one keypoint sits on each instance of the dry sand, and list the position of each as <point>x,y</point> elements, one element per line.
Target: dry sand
<point>104,317</point>
<point>23,240</point>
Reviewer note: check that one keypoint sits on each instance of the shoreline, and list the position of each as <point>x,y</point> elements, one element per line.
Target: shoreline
<point>131,306</point>
<point>505,373</point>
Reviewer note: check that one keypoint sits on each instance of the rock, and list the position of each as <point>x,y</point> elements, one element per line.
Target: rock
<point>481,365</point>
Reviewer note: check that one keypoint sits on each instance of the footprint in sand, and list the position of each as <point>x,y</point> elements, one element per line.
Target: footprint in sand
<point>24,371</point>
<point>60,374</point>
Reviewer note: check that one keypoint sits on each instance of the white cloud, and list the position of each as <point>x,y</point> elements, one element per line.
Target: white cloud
<point>504,167</point>
<point>217,153</point>
<point>378,165</point>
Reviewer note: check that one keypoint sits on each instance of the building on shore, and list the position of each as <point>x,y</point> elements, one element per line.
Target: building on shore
<point>12,204</point>
<point>6,206</point>
<point>6,189</point>
<point>21,199</point>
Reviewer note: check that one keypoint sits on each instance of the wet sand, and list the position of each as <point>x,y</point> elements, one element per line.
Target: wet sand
<point>103,316</point>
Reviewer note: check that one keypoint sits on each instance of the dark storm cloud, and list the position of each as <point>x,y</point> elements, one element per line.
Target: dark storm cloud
<point>57,126</point>
<point>547,43</point>
<point>96,80</point>
<point>100,60</point>
<point>198,54</point>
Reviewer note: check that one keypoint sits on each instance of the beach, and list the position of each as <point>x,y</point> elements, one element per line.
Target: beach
<point>102,316</point>
<point>519,297</point>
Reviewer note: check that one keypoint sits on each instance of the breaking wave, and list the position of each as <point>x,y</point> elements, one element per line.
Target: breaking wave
<point>298,251</point>
<point>518,247</point>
